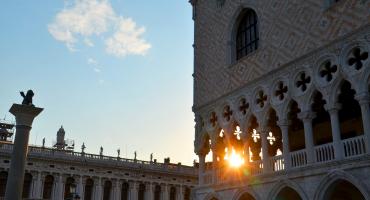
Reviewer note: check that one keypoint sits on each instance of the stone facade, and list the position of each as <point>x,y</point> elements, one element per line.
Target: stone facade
<point>289,30</point>
<point>303,84</point>
<point>109,176</point>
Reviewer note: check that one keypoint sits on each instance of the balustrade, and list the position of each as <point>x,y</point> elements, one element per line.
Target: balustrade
<point>325,152</point>
<point>354,146</point>
<point>299,158</point>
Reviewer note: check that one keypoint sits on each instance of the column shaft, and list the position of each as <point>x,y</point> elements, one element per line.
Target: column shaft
<point>365,111</point>
<point>17,164</point>
<point>308,136</point>
<point>202,162</point>
<point>265,152</point>
<point>286,151</point>
<point>335,127</point>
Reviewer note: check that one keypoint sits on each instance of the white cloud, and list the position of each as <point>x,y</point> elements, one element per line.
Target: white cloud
<point>127,39</point>
<point>81,19</point>
<point>95,64</point>
<point>88,42</point>
<point>92,61</point>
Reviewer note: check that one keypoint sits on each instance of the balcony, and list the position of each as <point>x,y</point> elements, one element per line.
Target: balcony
<point>352,148</point>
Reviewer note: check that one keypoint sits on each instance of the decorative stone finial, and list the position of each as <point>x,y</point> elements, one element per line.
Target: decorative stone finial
<point>27,99</point>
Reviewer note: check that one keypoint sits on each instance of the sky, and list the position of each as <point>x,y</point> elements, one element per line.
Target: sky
<point>114,73</point>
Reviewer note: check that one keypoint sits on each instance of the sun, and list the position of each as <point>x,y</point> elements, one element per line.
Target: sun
<point>235,160</point>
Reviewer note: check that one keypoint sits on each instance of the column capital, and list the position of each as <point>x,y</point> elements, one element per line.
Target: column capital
<point>283,122</point>
<point>25,114</point>
<point>363,98</point>
<point>333,108</point>
<point>306,116</point>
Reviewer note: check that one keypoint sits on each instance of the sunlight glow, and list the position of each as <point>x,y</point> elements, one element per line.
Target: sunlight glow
<point>235,160</point>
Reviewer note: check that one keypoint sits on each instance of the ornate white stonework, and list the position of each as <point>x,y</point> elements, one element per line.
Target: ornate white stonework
<point>308,50</point>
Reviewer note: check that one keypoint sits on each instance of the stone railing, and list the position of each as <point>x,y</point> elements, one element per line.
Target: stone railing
<point>354,146</point>
<point>299,158</point>
<point>42,152</point>
<point>324,153</point>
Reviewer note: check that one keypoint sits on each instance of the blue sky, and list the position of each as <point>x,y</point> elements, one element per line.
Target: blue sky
<point>114,73</point>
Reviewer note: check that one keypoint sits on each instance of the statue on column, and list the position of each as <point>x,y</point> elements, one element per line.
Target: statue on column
<point>151,157</point>
<point>27,99</point>
<point>118,152</point>
<point>83,147</point>
<point>43,143</point>
<point>101,151</point>
<point>135,154</point>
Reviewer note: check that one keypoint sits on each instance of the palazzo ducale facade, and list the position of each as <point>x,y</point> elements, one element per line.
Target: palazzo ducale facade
<point>283,86</point>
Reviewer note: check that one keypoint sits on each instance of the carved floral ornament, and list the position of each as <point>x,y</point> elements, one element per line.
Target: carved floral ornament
<point>327,68</point>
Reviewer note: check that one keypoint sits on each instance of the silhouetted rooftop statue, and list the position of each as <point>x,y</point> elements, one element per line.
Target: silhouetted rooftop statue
<point>27,99</point>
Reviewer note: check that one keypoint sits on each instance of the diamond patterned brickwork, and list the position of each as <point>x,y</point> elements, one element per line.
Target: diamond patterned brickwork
<point>288,29</point>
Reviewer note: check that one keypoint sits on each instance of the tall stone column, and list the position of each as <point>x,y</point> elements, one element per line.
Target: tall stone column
<point>80,187</point>
<point>180,195</point>
<point>201,170</point>
<point>134,187</point>
<point>335,128</point>
<point>117,190</point>
<point>24,116</point>
<point>166,192</point>
<point>265,153</point>
<point>37,186</point>
<point>149,191</point>
<point>284,127</point>
<point>364,101</point>
<point>98,189</point>
<point>214,164</point>
<point>307,117</point>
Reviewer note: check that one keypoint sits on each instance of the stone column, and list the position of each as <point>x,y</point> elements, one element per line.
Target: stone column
<point>335,128</point>
<point>37,187</point>
<point>364,100</point>
<point>98,189</point>
<point>149,191</point>
<point>201,170</point>
<point>24,116</point>
<point>134,187</point>
<point>265,153</point>
<point>180,193</point>
<point>307,117</point>
<point>80,187</point>
<point>59,188</point>
<point>165,193</point>
<point>214,165</point>
<point>117,190</point>
<point>284,127</point>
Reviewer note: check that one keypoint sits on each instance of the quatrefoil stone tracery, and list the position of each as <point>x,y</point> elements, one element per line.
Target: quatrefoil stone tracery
<point>213,119</point>
<point>328,70</point>
<point>281,91</point>
<point>243,106</point>
<point>357,58</point>
<point>303,81</point>
<point>227,113</point>
<point>261,99</point>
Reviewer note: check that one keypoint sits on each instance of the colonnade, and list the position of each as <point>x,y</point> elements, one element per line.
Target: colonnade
<point>132,189</point>
<point>306,115</point>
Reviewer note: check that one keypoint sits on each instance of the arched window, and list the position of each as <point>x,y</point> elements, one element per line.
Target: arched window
<point>48,187</point>
<point>247,34</point>
<point>107,190</point>
<point>157,192</point>
<point>124,191</point>
<point>27,185</point>
<point>89,189</point>
<point>173,193</point>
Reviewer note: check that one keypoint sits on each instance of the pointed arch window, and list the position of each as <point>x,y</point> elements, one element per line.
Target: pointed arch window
<point>247,36</point>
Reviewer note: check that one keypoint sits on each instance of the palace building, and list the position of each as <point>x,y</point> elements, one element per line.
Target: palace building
<point>59,172</point>
<point>282,99</point>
